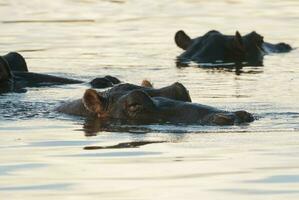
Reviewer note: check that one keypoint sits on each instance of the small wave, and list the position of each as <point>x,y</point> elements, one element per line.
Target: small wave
<point>49,21</point>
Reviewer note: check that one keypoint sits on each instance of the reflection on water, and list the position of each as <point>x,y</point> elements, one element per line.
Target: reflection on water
<point>237,69</point>
<point>43,153</point>
<point>123,145</point>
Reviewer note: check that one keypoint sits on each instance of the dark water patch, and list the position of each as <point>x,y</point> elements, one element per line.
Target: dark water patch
<point>14,110</point>
<point>57,186</point>
<point>124,145</point>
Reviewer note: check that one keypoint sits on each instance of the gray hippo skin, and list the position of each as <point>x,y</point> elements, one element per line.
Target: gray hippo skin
<point>217,48</point>
<point>141,105</point>
<point>14,76</point>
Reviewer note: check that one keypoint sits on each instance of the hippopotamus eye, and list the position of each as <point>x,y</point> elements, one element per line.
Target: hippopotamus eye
<point>134,107</point>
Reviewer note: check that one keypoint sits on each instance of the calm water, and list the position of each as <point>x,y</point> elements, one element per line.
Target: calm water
<point>45,155</point>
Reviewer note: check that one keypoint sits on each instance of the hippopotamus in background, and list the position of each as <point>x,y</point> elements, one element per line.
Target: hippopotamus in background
<point>219,49</point>
<point>14,76</point>
<point>133,104</point>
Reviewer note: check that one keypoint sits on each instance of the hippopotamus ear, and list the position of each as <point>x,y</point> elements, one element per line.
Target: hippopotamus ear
<point>146,83</point>
<point>238,42</point>
<point>16,62</point>
<point>182,40</point>
<point>93,101</point>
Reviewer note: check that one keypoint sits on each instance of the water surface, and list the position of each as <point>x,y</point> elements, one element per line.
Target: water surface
<point>46,155</point>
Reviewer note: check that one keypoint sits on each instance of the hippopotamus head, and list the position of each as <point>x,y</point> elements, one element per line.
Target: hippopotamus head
<point>215,47</point>
<point>138,106</point>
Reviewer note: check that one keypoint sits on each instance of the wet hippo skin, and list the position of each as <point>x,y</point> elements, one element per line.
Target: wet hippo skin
<point>14,76</point>
<point>143,106</point>
<point>217,48</point>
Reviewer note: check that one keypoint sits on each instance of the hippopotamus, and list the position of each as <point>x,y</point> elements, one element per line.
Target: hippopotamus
<point>133,104</point>
<point>215,48</point>
<point>77,107</point>
<point>14,76</point>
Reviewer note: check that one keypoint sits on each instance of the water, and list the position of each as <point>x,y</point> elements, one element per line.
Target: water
<point>46,155</point>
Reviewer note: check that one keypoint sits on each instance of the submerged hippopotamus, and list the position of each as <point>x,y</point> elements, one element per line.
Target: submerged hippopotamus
<point>219,49</point>
<point>14,76</point>
<point>129,103</point>
<point>77,107</point>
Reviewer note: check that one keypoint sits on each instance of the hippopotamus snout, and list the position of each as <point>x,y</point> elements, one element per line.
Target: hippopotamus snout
<point>194,113</point>
<point>230,118</point>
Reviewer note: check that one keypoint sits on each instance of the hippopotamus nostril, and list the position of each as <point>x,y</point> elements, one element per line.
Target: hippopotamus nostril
<point>222,119</point>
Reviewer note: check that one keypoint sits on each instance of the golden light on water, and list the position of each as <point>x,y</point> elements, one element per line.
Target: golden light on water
<point>42,152</point>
